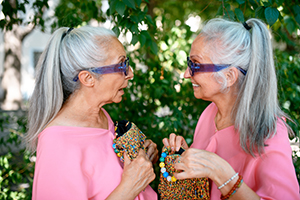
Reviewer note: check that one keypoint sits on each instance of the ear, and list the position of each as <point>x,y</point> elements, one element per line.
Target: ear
<point>232,76</point>
<point>86,78</point>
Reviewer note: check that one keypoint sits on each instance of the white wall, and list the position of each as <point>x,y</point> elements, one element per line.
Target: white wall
<point>35,41</point>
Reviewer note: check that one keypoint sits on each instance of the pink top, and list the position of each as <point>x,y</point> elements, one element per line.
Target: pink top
<point>78,163</point>
<point>271,176</point>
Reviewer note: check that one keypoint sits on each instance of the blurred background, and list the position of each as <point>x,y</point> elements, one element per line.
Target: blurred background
<point>157,35</point>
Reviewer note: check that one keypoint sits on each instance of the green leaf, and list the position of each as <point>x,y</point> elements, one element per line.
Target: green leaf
<point>149,18</point>
<point>271,15</point>
<point>279,2</point>
<point>112,6</point>
<point>267,3</point>
<point>130,3</point>
<point>260,12</point>
<point>230,13</point>
<point>135,39</point>
<point>138,2</point>
<point>154,48</point>
<point>290,25</point>
<point>240,1</point>
<point>239,14</point>
<point>116,30</point>
<point>134,19</point>
<point>120,8</point>
<point>297,18</point>
<point>142,39</point>
<point>296,9</point>
<point>134,28</point>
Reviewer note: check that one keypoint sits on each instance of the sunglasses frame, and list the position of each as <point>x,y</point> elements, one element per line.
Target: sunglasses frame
<point>107,69</point>
<point>199,67</point>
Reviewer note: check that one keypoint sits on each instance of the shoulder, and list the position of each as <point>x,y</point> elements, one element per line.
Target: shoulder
<point>280,140</point>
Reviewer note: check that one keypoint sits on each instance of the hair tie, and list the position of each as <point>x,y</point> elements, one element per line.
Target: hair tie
<point>246,26</point>
<point>65,33</point>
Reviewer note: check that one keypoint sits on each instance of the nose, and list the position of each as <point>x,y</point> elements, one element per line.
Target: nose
<point>130,74</point>
<point>187,73</point>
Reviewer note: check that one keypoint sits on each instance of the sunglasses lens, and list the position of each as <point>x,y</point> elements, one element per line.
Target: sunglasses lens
<point>126,67</point>
<point>189,62</point>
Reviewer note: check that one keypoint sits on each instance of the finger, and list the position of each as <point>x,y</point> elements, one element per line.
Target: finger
<point>154,157</point>
<point>180,166</point>
<point>142,153</point>
<point>147,143</point>
<point>179,142</point>
<point>166,142</point>
<point>182,175</point>
<point>150,151</point>
<point>127,160</point>
<point>172,139</point>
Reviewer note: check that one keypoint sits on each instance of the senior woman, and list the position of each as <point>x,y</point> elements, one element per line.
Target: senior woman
<point>241,139</point>
<point>79,72</point>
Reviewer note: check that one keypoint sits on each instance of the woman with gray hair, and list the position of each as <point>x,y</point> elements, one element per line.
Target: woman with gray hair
<point>79,72</point>
<point>241,140</point>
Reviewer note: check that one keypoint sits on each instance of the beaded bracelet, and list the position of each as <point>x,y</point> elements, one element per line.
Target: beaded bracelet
<point>228,181</point>
<point>233,190</point>
<point>163,170</point>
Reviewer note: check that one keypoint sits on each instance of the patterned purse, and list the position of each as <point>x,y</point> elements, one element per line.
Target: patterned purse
<point>129,139</point>
<point>170,188</point>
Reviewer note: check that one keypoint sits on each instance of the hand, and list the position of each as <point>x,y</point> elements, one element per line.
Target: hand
<point>175,142</point>
<point>152,151</point>
<point>197,163</point>
<point>137,174</point>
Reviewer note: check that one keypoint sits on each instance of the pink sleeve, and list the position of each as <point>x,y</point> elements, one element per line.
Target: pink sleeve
<point>275,172</point>
<point>58,174</point>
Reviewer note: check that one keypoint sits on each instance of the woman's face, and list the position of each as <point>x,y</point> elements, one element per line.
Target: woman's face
<point>204,84</point>
<point>110,86</point>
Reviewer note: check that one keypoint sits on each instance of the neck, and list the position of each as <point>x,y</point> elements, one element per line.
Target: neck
<point>81,111</point>
<point>225,105</point>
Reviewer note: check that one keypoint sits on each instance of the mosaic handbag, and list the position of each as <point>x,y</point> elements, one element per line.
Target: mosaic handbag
<point>170,188</point>
<point>129,139</point>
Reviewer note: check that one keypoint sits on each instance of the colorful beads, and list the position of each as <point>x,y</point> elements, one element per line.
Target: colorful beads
<point>162,164</point>
<point>173,179</point>
<point>163,170</point>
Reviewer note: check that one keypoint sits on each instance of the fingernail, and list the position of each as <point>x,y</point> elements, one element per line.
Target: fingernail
<point>172,148</point>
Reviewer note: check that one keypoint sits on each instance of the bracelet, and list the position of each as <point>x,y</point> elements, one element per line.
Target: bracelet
<point>228,181</point>
<point>233,190</point>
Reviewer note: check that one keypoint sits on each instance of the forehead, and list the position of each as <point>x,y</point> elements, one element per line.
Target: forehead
<point>200,49</point>
<point>116,45</point>
<point>114,51</point>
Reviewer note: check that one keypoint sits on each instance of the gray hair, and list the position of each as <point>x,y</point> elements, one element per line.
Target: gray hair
<point>66,53</point>
<point>256,109</point>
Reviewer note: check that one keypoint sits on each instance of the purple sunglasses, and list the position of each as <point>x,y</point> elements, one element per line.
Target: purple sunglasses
<point>197,67</point>
<point>120,67</point>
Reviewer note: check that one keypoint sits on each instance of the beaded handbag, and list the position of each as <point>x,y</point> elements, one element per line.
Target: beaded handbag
<point>170,188</point>
<point>129,139</point>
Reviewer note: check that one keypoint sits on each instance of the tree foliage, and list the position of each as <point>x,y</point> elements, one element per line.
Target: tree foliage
<point>15,13</point>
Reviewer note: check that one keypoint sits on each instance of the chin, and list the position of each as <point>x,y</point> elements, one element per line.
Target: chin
<point>118,101</point>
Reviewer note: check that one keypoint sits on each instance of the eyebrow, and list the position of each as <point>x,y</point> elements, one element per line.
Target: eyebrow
<point>196,56</point>
<point>121,57</point>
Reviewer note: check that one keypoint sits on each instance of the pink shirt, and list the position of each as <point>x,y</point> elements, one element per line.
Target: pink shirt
<point>271,176</point>
<point>78,163</point>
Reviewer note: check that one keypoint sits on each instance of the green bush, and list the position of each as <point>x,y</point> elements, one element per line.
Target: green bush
<point>16,165</point>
